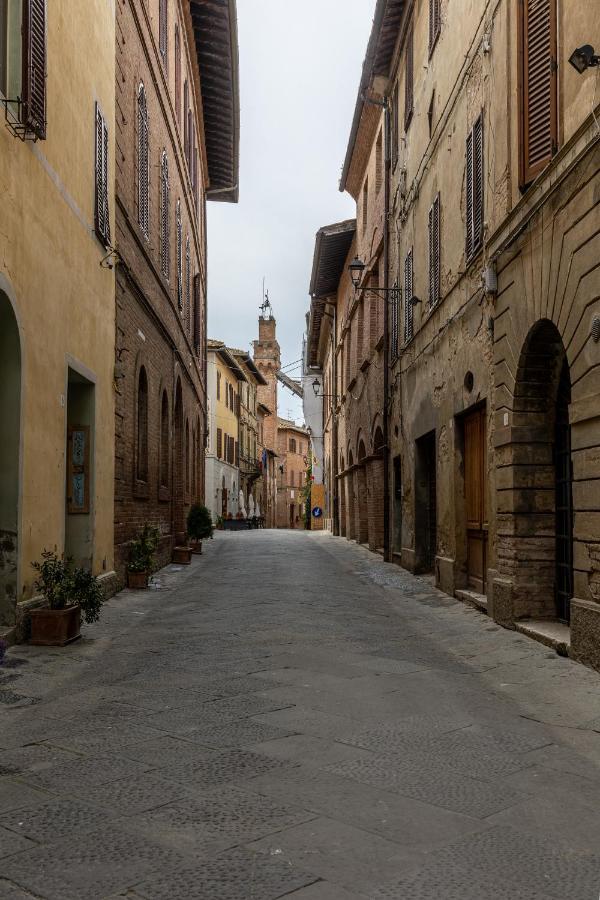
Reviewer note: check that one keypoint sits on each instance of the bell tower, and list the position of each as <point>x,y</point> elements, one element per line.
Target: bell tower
<point>267,358</point>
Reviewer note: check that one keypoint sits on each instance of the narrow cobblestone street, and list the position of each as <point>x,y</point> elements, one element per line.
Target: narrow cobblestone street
<point>293,717</point>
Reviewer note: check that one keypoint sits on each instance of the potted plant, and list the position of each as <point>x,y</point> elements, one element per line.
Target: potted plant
<point>182,553</point>
<point>141,557</point>
<point>199,526</point>
<point>219,523</point>
<point>70,592</point>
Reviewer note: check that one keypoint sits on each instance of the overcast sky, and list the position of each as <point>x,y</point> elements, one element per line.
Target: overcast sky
<point>300,65</point>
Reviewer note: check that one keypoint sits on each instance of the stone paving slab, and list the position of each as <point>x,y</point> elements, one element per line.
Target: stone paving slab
<point>237,875</point>
<point>292,717</point>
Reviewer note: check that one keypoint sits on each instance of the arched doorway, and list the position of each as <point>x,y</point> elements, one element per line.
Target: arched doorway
<point>178,463</point>
<point>542,491</point>
<point>361,504</point>
<point>10,416</point>
<point>375,492</point>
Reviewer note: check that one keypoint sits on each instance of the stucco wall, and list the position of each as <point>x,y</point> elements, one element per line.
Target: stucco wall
<point>50,269</point>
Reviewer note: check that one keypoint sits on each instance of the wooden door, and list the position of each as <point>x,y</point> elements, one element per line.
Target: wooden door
<point>476,498</point>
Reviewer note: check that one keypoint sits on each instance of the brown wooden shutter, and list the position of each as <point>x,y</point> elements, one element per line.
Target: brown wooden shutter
<point>165,249</point>
<point>434,252</point>
<point>435,23</point>
<point>179,251</point>
<point>408,294</point>
<point>219,443</point>
<point>177,76</point>
<point>538,94</point>
<point>102,223</point>
<point>34,67</point>
<point>474,189</point>
<point>408,78</point>
<point>143,164</point>
<point>395,329</point>
<point>197,320</point>
<point>162,30</point>
<point>395,129</point>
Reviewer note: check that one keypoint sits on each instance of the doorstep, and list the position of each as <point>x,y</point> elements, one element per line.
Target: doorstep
<point>547,631</point>
<point>479,601</point>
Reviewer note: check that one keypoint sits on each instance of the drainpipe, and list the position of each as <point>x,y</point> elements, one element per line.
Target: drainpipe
<point>386,339</point>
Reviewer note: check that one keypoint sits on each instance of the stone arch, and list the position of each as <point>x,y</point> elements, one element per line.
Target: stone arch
<point>10,458</point>
<point>177,467</point>
<point>535,505</point>
<point>164,441</point>
<point>375,491</point>
<point>378,441</point>
<point>141,424</point>
<point>361,506</point>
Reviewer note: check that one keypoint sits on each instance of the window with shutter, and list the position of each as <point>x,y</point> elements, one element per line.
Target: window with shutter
<point>179,258</point>
<point>33,79</point>
<point>219,443</point>
<point>435,23</point>
<point>177,76</point>
<point>101,215</point>
<point>188,285</point>
<point>218,385</point>
<point>395,130</point>
<point>395,336</point>
<point>186,93</point>
<point>165,249</point>
<point>408,78</point>
<point>365,204</point>
<point>197,314</point>
<point>434,253</point>
<point>143,164</point>
<point>163,31</point>
<point>409,289</point>
<point>538,86</point>
<point>474,189</point>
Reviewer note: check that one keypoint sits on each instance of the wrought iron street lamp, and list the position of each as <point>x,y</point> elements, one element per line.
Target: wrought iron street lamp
<point>584,58</point>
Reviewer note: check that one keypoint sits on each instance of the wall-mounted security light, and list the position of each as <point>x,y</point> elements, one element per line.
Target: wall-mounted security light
<point>584,58</point>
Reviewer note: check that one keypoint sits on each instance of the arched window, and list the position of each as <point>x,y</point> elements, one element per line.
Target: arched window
<point>142,427</point>
<point>179,258</point>
<point>188,285</point>
<point>165,250</point>
<point>164,441</point>
<point>143,164</point>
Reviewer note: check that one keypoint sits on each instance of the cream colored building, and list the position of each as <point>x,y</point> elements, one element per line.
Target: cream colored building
<point>57,295</point>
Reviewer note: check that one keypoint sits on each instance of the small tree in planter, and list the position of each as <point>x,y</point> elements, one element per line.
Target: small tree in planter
<point>141,557</point>
<point>70,591</point>
<point>199,526</point>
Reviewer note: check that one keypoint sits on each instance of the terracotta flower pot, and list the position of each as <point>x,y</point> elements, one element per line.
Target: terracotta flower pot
<point>137,581</point>
<point>197,547</point>
<point>182,556</point>
<point>55,627</point>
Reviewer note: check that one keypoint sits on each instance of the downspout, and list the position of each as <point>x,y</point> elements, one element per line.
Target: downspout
<point>386,339</point>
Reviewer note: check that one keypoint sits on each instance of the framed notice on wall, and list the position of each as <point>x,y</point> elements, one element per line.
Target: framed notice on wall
<point>78,474</point>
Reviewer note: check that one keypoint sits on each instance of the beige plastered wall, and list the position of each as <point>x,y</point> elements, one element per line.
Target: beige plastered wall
<point>50,269</point>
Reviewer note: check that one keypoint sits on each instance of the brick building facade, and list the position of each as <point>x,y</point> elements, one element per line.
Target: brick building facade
<point>292,464</point>
<point>171,157</point>
<point>490,172</point>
